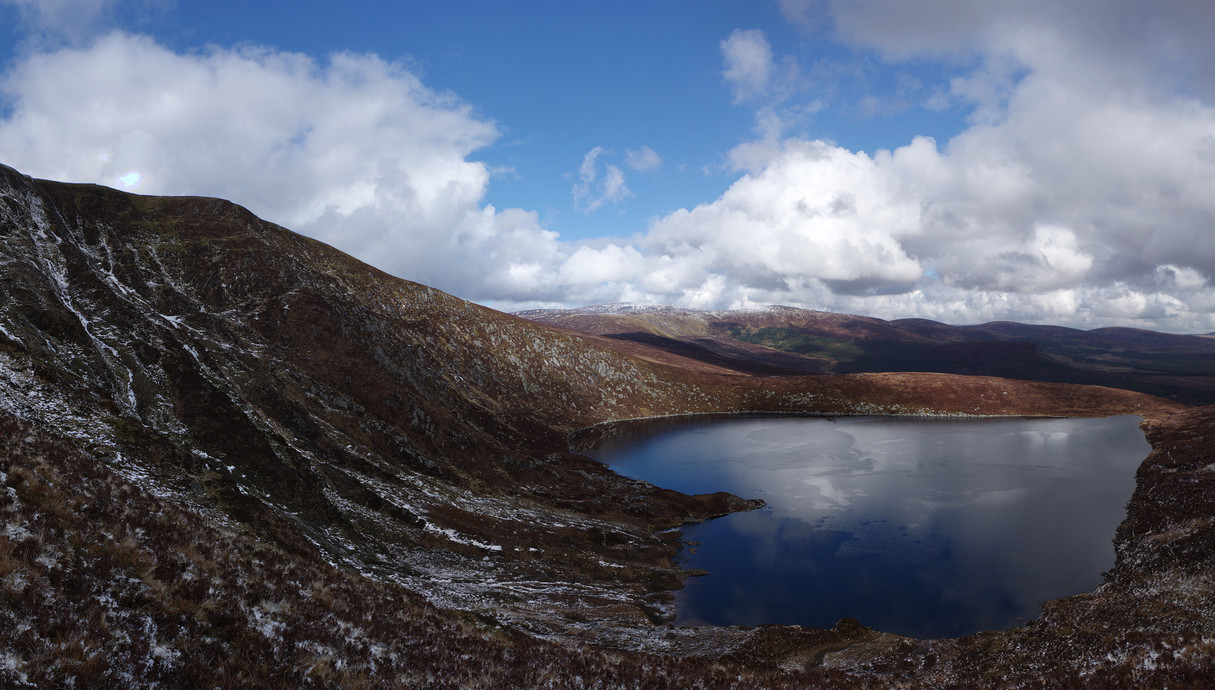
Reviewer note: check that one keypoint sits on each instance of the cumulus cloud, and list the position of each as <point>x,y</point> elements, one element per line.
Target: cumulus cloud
<point>1078,194</point>
<point>1077,207</point>
<point>1075,196</point>
<point>612,265</point>
<point>815,212</point>
<point>354,150</point>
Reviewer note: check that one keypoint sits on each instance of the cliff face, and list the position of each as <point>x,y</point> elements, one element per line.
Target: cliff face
<point>219,432</point>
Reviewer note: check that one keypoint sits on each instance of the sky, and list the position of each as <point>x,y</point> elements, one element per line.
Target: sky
<point>958,160</point>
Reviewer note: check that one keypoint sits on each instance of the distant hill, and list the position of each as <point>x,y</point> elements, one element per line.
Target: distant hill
<point>786,340</point>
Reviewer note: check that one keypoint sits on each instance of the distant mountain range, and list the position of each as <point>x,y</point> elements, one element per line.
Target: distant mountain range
<point>776,341</point>
<point>233,456</point>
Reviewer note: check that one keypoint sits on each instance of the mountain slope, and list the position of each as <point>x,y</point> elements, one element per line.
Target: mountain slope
<point>365,473</point>
<point>238,367</point>
<point>105,585</point>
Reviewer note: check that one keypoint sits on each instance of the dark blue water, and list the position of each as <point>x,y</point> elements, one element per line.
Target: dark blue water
<point>922,527</point>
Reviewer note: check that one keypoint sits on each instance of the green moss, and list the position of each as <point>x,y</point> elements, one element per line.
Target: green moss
<point>125,431</point>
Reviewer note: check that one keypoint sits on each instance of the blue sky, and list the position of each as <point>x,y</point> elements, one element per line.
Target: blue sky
<point>559,79</point>
<point>947,159</point>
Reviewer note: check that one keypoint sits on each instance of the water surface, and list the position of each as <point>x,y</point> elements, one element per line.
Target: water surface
<point>922,527</point>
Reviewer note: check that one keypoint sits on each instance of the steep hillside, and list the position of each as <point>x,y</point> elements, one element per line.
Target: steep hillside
<point>234,454</point>
<point>393,429</point>
<point>105,585</point>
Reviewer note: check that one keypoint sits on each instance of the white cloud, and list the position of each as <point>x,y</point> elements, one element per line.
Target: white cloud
<point>807,14</point>
<point>644,159</point>
<point>613,185</point>
<point>587,171</point>
<point>1064,202</point>
<point>756,77</point>
<point>355,151</point>
<point>1162,45</point>
<point>814,212</point>
<point>610,265</point>
<point>1076,195</point>
<point>753,72</point>
<point>591,192</point>
<point>749,65</point>
<point>61,19</point>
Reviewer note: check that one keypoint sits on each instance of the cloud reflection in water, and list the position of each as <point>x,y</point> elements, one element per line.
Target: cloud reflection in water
<point>917,526</point>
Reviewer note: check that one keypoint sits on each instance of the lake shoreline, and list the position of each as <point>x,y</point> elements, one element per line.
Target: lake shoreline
<point>1001,459</point>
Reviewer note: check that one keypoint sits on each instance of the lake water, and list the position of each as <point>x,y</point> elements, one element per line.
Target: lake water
<point>922,527</point>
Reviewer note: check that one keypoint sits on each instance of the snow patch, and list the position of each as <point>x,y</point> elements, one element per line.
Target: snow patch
<point>10,662</point>
<point>452,535</point>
